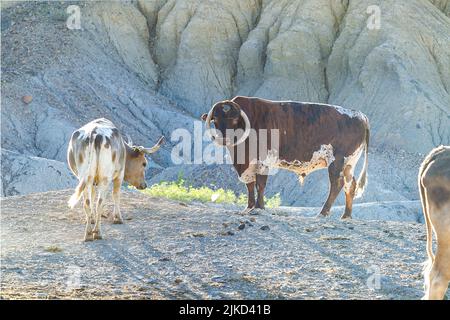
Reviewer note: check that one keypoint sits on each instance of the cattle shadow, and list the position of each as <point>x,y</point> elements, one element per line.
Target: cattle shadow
<point>388,283</point>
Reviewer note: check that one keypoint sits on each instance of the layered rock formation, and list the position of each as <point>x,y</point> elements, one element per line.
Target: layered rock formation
<point>328,51</point>
<point>153,66</point>
<point>23,175</point>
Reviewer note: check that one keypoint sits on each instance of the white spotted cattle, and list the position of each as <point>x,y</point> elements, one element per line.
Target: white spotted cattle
<point>311,136</point>
<point>434,186</point>
<point>99,157</point>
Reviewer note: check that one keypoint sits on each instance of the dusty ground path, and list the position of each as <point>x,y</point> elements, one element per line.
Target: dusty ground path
<point>168,249</point>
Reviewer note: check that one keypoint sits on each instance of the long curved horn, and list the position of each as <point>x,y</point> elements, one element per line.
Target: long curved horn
<point>208,121</point>
<point>129,141</point>
<point>154,148</point>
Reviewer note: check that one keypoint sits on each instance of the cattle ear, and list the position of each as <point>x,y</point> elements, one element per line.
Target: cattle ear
<point>204,116</point>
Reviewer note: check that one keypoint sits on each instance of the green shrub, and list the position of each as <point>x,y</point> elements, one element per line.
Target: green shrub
<point>53,249</point>
<point>178,190</point>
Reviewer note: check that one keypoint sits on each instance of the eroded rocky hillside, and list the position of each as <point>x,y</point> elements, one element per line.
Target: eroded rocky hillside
<point>154,66</point>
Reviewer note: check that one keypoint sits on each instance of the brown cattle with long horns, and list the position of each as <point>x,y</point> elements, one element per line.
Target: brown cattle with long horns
<point>310,136</point>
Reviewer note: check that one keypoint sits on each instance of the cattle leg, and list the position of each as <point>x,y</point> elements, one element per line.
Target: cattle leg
<point>251,197</point>
<point>92,202</point>
<point>116,199</point>
<point>87,208</point>
<point>336,184</point>
<point>261,181</point>
<point>437,282</point>
<point>100,201</point>
<point>349,189</point>
<point>88,213</point>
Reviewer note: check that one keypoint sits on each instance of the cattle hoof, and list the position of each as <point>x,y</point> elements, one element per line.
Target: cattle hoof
<point>97,236</point>
<point>117,221</point>
<point>246,211</point>
<point>256,212</point>
<point>346,217</point>
<point>322,215</point>
<point>88,235</point>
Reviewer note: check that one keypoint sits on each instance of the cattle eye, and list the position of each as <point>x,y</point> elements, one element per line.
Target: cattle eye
<point>144,164</point>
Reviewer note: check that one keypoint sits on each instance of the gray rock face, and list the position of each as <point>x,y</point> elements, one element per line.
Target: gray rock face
<point>153,66</point>
<point>75,76</point>
<point>322,50</point>
<point>23,175</point>
<point>398,75</point>
<point>127,30</point>
<point>443,5</point>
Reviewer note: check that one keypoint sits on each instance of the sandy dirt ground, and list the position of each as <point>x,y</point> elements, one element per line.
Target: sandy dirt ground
<point>173,250</point>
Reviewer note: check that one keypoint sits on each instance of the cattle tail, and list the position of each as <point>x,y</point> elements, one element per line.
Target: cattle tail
<point>85,183</point>
<point>362,179</point>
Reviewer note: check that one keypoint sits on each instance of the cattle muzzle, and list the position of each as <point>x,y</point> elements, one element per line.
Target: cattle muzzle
<point>142,186</point>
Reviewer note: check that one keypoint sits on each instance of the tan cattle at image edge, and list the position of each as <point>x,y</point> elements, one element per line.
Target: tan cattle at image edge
<point>434,186</point>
